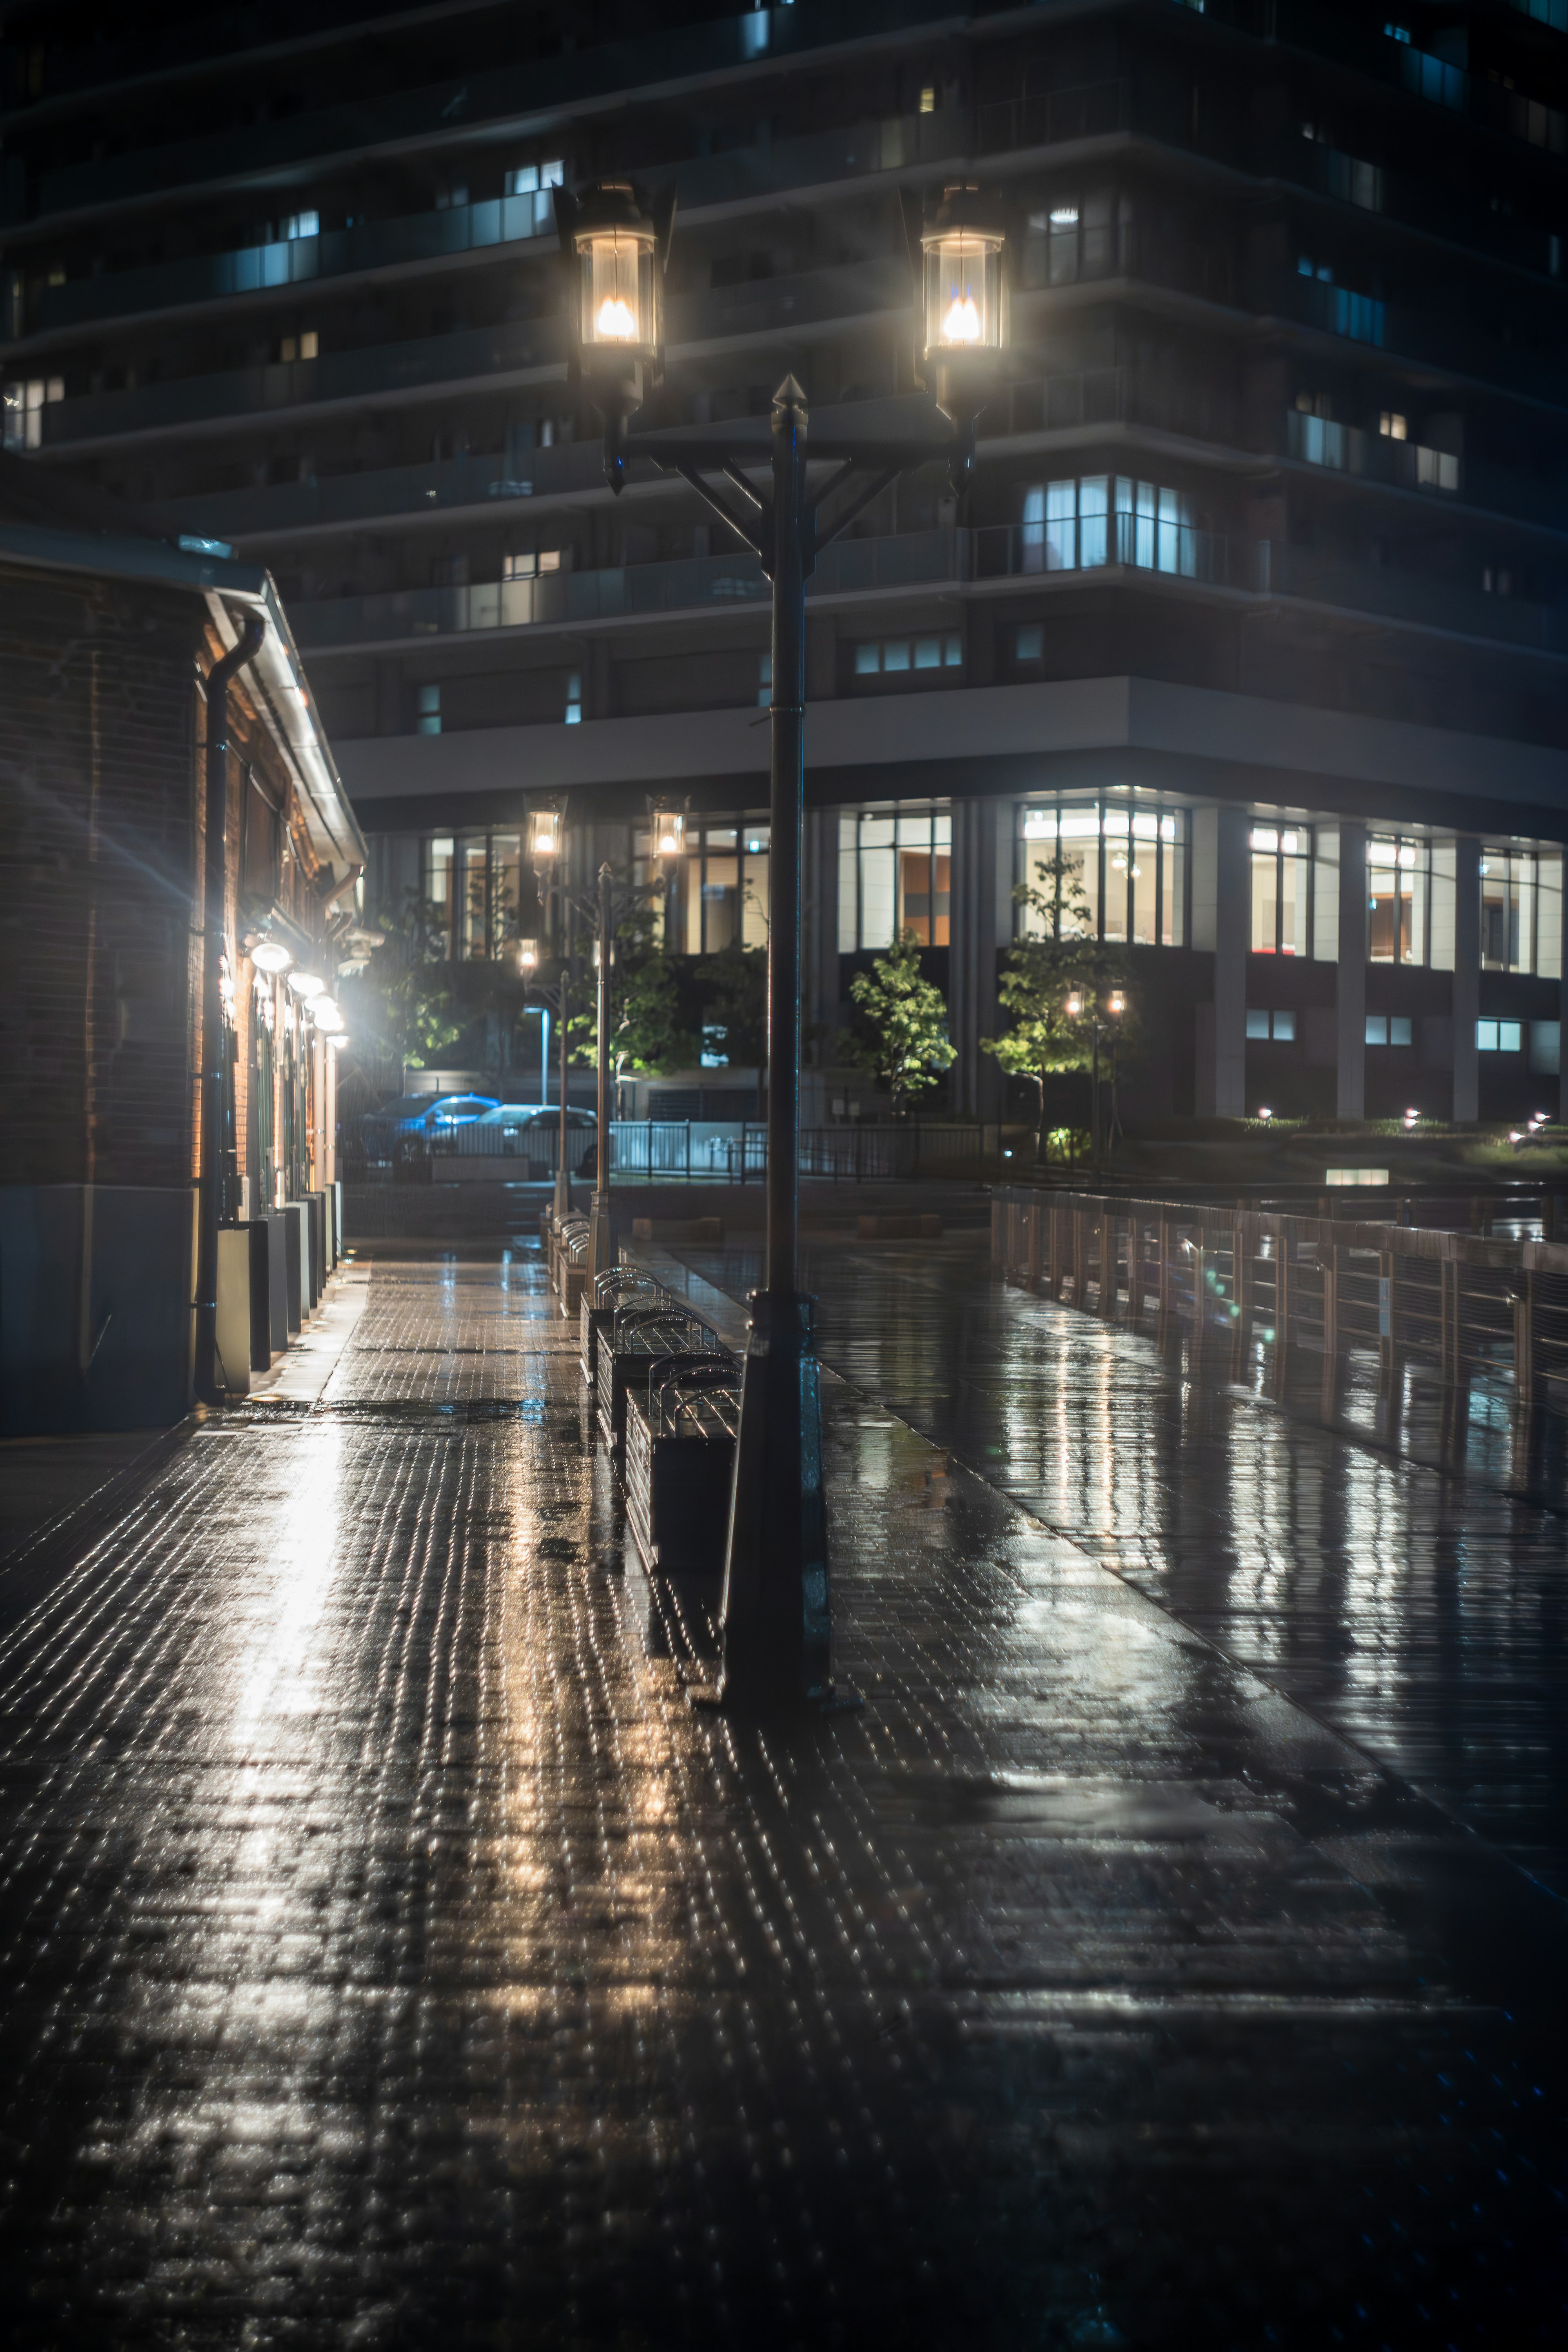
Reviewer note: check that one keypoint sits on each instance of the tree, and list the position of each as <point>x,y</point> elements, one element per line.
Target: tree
<point>648,1030</point>
<point>734,986</point>
<point>1041,974</point>
<point>903,1033</point>
<point>403,1002</point>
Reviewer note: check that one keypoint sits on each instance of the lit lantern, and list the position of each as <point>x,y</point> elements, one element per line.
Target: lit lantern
<point>618,281</point>
<point>544,827</point>
<point>964,289</point>
<point>1115,1004</point>
<point>616,250</point>
<point>307,984</point>
<point>1075,1005</point>
<point>667,832</point>
<point>325,1013</point>
<point>964,296</point>
<point>270,956</point>
<point>527,955</point>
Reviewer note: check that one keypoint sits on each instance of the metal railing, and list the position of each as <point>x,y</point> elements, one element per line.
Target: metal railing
<point>1461,1302</point>
<point>698,1152</point>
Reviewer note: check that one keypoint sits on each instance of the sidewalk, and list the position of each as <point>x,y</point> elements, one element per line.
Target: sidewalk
<point>392,1959</point>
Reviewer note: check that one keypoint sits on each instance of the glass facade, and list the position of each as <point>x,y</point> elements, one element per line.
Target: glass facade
<point>1129,864</point>
<point>895,874</point>
<point>1281,859</point>
<point>1522,911</point>
<point>718,894</point>
<point>472,891</point>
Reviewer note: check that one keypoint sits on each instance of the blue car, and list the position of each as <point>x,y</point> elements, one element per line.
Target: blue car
<point>419,1118</point>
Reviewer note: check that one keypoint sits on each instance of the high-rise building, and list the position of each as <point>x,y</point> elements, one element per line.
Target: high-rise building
<point>1255,611</point>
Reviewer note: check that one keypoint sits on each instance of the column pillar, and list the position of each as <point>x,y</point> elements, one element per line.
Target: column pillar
<point>1222,911</point>
<point>1467,996</point>
<point>819,966</point>
<point>1349,1100</point>
<point>980,925</point>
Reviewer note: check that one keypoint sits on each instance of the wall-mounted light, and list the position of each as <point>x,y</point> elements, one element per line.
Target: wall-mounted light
<point>325,1013</point>
<point>1075,1004</point>
<point>527,955</point>
<point>270,956</point>
<point>1115,1004</point>
<point>308,984</point>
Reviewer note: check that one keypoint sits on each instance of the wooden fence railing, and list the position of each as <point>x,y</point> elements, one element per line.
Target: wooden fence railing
<point>1461,1302</point>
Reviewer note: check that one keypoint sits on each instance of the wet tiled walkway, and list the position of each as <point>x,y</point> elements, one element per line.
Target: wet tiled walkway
<point>388,1957</point>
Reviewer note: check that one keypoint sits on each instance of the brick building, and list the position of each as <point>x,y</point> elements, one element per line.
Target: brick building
<point>107,635</point>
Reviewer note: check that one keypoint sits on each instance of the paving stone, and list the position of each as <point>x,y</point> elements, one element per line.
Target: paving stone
<point>389,1956</point>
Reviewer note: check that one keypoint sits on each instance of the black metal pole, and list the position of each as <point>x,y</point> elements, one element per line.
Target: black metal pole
<point>210,1205</point>
<point>776,1610</point>
<point>600,1255</point>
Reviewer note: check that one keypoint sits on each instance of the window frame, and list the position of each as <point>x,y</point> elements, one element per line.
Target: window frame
<point>1178,841</point>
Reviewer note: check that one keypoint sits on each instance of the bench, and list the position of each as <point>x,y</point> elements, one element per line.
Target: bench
<point>637,1334</point>
<point>618,1286</point>
<point>680,1462</point>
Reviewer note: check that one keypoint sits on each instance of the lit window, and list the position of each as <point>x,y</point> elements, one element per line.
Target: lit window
<point>718,889</point>
<point>1029,646</point>
<point>523,182</point>
<point>868,660</point>
<point>574,699</point>
<point>928,653</point>
<point>1281,890</point>
<point>894,877</point>
<point>1389,1029</point>
<point>1103,519</point>
<point>1499,1036</point>
<point>1392,425</point>
<point>1522,911</point>
<point>1279,1025</point>
<point>25,406</point>
<point>764,681</point>
<point>897,655</point>
<point>1398,32</point>
<point>928,99</point>
<point>1122,872</point>
<point>302,224</point>
<point>427,720</point>
<point>522,565</point>
<point>300,347</point>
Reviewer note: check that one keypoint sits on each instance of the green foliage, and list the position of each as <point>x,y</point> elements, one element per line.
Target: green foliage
<point>1040,974</point>
<point>732,990</point>
<point>649,1032</point>
<point>405,1002</point>
<point>902,1035</point>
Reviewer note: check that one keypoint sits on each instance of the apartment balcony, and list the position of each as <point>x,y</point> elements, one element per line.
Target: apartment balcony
<point>1374,456</point>
<point>1115,550</point>
<point>294,262</point>
<point>481,357</point>
<point>533,91</point>
<point>1414,599</point>
<point>1431,338</point>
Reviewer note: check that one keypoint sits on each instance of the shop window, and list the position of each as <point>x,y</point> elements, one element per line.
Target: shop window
<point>1123,871</point>
<point>894,876</point>
<point>1281,890</point>
<point>1522,911</point>
<point>718,893</point>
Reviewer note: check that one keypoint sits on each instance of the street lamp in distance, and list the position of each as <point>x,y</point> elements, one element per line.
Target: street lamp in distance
<point>963,293</point>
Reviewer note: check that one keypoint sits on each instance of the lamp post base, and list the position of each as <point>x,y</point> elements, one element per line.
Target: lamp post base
<point>776,1620</point>
<point>601,1235</point>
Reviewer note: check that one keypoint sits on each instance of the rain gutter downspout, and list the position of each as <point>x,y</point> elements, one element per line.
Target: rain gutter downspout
<point>209,1206</point>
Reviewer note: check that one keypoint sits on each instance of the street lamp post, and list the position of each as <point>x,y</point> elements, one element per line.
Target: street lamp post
<point>776,1609</point>
<point>601,1252</point>
<point>546,847</point>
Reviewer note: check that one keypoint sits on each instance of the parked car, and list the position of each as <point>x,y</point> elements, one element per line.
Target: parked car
<point>415,1118</point>
<point>525,1131</point>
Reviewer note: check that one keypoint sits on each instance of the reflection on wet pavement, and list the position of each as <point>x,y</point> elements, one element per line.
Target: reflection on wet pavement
<point>390,1956</point>
<point>1424,1616</point>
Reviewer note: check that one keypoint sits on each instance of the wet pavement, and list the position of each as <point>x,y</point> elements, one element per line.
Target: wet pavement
<point>389,1956</point>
